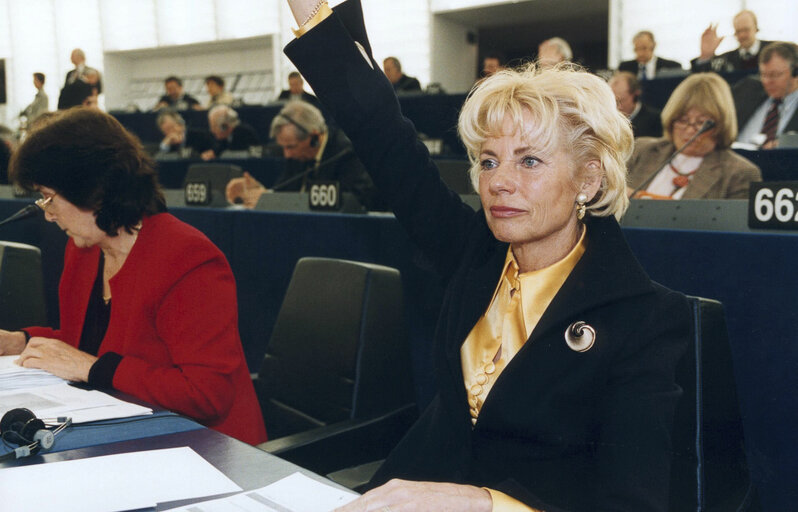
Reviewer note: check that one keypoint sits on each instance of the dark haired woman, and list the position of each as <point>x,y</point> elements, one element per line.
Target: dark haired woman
<point>147,303</point>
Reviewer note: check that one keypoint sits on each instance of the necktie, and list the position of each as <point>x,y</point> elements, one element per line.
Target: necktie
<point>643,75</point>
<point>771,123</point>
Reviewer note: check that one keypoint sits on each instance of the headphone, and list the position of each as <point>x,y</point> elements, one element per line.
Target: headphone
<point>314,137</point>
<point>21,427</point>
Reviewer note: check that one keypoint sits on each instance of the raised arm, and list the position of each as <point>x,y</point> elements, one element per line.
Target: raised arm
<point>335,58</point>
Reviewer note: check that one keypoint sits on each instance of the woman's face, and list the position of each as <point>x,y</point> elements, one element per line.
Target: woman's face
<point>78,224</point>
<point>528,197</point>
<point>686,126</point>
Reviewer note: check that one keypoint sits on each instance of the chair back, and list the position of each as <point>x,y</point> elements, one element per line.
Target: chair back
<point>21,286</point>
<point>338,349</point>
<point>709,470</point>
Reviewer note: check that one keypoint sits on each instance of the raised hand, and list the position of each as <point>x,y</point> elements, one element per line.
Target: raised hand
<point>710,42</point>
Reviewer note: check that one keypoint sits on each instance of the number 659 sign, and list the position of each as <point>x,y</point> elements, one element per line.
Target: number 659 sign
<point>773,205</point>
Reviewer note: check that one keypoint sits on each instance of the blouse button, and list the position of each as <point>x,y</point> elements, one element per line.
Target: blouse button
<point>482,378</point>
<point>476,389</point>
<point>490,368</point>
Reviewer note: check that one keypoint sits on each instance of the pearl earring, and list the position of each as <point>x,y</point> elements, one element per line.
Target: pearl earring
<point>581,199</point>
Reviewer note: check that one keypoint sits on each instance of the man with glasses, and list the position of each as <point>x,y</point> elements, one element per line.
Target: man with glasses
<point>766,106</point>
<point>744,57</point>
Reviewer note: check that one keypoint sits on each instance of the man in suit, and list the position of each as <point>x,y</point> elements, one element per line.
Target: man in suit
<point>312,152</point>
<point>744,57</point>
<point>175,98</point>
<point>296,90</point>
<point>401,83</point>
<point>645,120</point>
<point>766,107</point>
<point>177,138</point>
<point>646,65</point>
<point>230,133</point>
<point>82,71</point>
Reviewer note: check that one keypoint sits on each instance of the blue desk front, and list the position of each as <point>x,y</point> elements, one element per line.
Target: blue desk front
<point>751,273</point>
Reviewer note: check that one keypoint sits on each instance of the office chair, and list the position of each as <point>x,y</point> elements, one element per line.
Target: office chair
<point>709,470</point>
<point>21,286</point>
<point>335,386</point>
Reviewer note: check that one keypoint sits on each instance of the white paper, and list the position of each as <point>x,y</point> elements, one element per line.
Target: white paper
<point>294,493</point>
<point>112,482</point>
<point>63,400</point>
<point>13,376</point>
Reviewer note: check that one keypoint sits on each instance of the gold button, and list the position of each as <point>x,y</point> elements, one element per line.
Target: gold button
<point>490,368</point>
<point>476,389</point>
<point>482,378</point>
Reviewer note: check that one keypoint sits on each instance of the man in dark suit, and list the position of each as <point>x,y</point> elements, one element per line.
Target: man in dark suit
<point>768,107</point>
<point>230,133</point>
<point>744,57</point>
<point>178,138</point>
<point>312,152</point>
<point>646,65</point>
<point>645,120</point>
<point>296,90</point>
<point>401,82</point>
<point>82,71</point>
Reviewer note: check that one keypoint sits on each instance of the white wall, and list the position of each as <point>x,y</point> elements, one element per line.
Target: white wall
<point>453,58</point>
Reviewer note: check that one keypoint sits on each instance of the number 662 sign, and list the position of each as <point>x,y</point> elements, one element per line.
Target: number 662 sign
<point>773,205</point>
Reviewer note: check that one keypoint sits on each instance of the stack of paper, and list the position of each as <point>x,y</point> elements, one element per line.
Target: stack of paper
<point>17,377</point>
<point>64,400</point>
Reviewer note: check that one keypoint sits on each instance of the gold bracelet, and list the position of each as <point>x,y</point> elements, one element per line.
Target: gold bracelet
<point>319,14</point>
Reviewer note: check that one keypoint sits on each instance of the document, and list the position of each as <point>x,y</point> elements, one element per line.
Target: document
<point>126,481</point>
<point>17,377</point>
<point>294,493</point>
<point>64,400</point>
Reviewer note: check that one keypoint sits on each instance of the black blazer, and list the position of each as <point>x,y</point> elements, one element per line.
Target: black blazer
<point>285,95</point>
<point>560,429</point>
<point>748,96</point>
<point>729,61</point>
<point>632,66</point>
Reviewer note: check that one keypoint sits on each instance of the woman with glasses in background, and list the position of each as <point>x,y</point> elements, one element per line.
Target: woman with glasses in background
<point>706,168</point>
<point>147,303</point>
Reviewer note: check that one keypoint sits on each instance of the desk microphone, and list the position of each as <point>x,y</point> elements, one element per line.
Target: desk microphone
<point>708,125</point>
<point>338,156</point>
<point>28,211</point>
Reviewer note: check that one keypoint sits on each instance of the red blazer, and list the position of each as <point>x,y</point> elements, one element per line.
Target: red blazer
<point>174,321</point>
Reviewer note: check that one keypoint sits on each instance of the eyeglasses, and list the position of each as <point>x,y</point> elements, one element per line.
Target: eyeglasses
<point>773,75</point>
<point>44,202</point>
<point>683,123</point>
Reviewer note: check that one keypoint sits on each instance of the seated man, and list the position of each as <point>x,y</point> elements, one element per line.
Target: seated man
<point>645,120</point>
<point>175,98</point>
<point>218,96</point>
<point>179,139</point>
<point>230,133</point>
<point>553,51</point>
<point>314,152</point>
<point>401,83</point>
<point>646,65</point>
<point>768,107</point>
<point>744,57</point>
<point>296,90</point>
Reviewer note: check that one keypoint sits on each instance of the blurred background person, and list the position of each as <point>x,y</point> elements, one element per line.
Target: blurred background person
<point>81,71</point>
<point>767,106</point>
<point>705,169</point>
<point>553,51</point>
<point>746,56</point>
<point>645,120</point>
<point>296,90</point>
<point>491,64</point>
<point>230,133</point>
<point>646,65</point>
<point>179,139</point>
<point>147,302</point>
<point>218,96</point>
<point>175,98</point>
<point>313,152</point>
<point>40,103</point>
<point>401,83</point>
